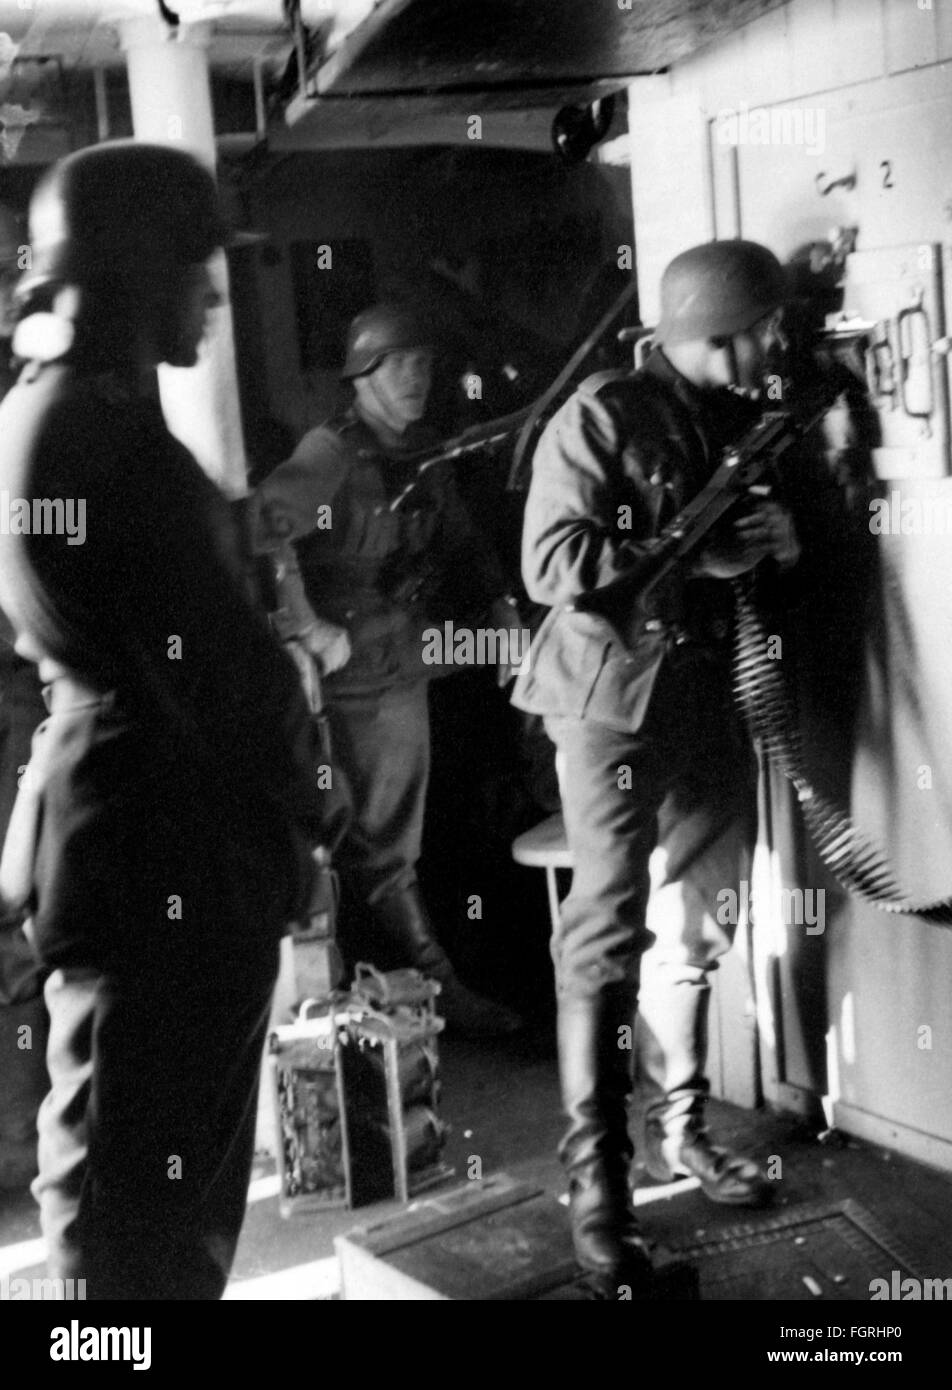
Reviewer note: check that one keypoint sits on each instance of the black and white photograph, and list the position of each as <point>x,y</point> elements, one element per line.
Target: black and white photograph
<point>476,666</point>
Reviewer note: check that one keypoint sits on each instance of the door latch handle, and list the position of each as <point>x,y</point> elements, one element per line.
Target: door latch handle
<point>881,366</point>
<point>912,324</point>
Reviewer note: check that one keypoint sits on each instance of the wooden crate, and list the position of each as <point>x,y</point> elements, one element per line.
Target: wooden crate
<point>491,1241</point>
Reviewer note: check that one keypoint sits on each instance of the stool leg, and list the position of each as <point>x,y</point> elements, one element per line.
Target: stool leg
<point>553,891</point>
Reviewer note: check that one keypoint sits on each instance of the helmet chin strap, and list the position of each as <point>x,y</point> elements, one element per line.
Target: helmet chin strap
<point>733,372</point>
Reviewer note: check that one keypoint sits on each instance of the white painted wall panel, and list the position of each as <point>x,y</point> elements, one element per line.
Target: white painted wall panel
<point>943,29</point>
<point>712,76</point>
<point>670,180</point>
<point>767,65</point>
<point>781,202</point>
<point>805,47</point>
<point>911,34</point>
<point>858,48</point>
<point>814,52</point>
<point>888,981</point>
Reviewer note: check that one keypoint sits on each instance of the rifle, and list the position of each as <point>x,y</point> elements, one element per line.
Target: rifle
<point>480,436</point>
<point>526,421</point>
<point>743,468</point>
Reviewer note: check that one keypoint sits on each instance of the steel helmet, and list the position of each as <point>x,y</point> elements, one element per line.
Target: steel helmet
<point>121,212</point>
<point>377,331</point>
<point>718,289</point>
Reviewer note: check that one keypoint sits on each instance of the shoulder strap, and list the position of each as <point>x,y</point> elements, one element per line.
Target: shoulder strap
<point>640,392</point>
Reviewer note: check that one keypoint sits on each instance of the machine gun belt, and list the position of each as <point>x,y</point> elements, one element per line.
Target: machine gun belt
<point>761,692</point>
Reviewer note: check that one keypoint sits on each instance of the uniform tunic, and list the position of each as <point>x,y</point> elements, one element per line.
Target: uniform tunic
<point>160,836</point>
<point>23,1078</point>
<point>650,747</point>
<point>386,571</point>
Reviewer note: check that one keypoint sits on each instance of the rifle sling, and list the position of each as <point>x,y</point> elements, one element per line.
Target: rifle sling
<point>539,406</point>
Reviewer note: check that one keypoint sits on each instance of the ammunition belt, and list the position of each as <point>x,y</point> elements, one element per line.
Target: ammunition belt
<point>761,692</point>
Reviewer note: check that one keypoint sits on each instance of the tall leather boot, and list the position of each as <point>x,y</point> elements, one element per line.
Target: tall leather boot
<point>672,1039</point>
<point>402,936</point>
<point>23,1084</point>
<point>596,1150</point>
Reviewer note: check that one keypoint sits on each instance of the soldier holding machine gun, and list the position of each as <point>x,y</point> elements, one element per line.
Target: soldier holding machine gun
<point>651,753</point>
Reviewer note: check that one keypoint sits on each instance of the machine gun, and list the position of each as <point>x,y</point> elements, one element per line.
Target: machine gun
<point>744,470</point>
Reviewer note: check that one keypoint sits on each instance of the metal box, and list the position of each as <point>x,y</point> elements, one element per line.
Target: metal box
<point>356,1092</point>
<point>313,1150</point>
<point>391,1084</point>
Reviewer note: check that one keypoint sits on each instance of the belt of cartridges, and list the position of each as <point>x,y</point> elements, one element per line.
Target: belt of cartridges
<point>761,692</point>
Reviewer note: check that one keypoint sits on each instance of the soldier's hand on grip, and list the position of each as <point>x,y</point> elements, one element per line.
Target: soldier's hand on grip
<point>771,526</point>
<point>766,530</point>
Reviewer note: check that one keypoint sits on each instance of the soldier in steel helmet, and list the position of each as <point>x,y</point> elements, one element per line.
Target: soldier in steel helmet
<point>650,753</point>
<point>23,1080</point>
<point>375,565</point>
<point>162,834</point>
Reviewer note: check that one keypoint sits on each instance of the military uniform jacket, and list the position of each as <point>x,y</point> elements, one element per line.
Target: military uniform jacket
<point>616,463</point>
<point>384,569</point>
<point>172,791</point>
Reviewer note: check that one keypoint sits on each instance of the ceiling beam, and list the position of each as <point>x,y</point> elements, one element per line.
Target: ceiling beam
<point>415,46</point>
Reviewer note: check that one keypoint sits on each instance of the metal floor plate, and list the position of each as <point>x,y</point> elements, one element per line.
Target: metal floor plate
<point>814,1252</point>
